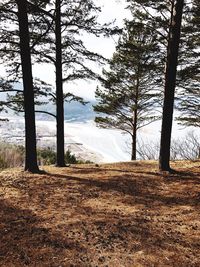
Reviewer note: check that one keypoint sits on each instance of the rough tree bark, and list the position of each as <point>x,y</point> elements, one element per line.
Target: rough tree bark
<point>135,121</point>
<point>134,136</point>
<point>30,131</point>
<point>170,83</point>
<point>59,91</point>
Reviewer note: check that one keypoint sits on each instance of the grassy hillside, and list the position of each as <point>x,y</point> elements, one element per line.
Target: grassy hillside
<point>124,214</point>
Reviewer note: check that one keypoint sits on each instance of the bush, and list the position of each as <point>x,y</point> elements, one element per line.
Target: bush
<point>46,156</point>
<point>70,158</point>
<point>3,164</point>
<point>11,155</point>
<point>188,148</point>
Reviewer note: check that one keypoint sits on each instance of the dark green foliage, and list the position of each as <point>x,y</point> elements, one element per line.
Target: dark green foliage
<point>189,106</point>
<point>46,156</point>
<point>55,31</point>
<point>160,16</point>
<point>189,74</point>
<point>70,158</point>
<point>13,156</point>
<point>157,15</point>
<point>130,91</point>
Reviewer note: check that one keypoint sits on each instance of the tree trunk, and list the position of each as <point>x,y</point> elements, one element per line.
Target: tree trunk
<point>59,91</point>
<point>30,132</point>
<point>170,83</point>
<point>134,139</point>
<point>135,121</point>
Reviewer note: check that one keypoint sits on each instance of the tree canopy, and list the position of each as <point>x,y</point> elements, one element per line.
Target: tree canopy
<point>130,87</point>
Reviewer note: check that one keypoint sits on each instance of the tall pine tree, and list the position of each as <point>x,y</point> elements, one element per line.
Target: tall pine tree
<point>160,16</point>
<point>188,103</point>
<point>30,132</point>
<point>63,47</point>
<point>129,95</point>
<point>60,25</point>
<point>170,83</point>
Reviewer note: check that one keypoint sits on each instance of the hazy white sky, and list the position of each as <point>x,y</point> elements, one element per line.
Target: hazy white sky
<point>111,10</point>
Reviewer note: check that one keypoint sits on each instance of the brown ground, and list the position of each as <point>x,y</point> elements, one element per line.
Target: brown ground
<point>124,214</point>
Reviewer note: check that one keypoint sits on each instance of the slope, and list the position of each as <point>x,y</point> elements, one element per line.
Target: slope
<point>124,214</point>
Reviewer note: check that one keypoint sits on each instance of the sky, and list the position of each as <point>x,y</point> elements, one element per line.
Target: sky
<point>111,10</point>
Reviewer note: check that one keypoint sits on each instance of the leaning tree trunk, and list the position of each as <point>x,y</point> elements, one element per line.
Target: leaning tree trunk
<point>30,132</point>
<point>170,83</point>
<point>59,91</point>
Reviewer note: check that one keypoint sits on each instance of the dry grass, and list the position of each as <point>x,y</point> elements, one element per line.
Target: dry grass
<point>124,214</point>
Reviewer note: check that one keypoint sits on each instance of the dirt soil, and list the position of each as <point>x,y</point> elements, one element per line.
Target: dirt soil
<point>125,214</point>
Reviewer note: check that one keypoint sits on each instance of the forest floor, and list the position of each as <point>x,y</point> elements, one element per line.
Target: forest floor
<point>123,214</point>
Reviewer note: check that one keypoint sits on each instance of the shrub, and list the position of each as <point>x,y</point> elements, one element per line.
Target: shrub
<point>11,155</point>
<point>3,164</point>
<point>70,158</point>
<point>46,156</point>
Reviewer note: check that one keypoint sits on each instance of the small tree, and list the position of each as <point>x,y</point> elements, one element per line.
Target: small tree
<point>130,92</point>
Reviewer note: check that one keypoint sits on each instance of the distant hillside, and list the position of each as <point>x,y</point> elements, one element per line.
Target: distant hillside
<point>74,112</point>
<point>77,112</point>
